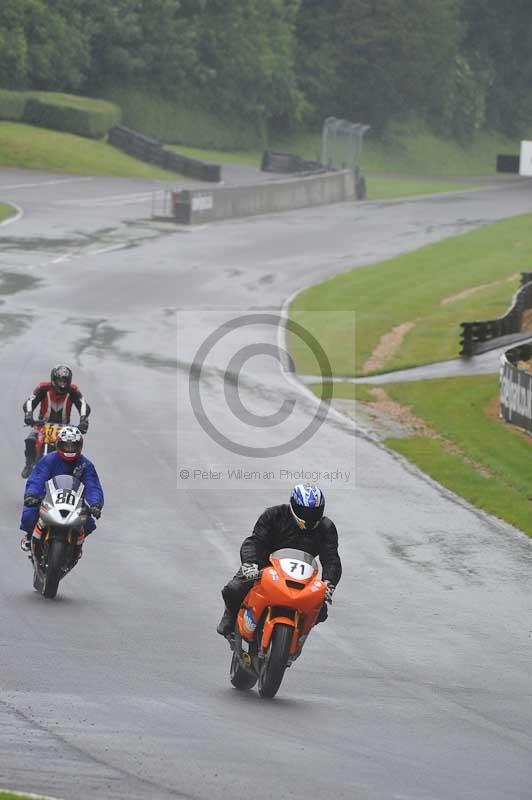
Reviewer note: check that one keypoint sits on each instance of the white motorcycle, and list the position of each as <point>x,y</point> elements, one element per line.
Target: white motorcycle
<point>62,515</point>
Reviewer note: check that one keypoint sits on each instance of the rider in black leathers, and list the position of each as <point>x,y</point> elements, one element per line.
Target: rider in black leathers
<point>299,524</point>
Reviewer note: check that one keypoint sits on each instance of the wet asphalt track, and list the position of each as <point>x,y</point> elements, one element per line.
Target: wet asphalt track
<point>419,686</point>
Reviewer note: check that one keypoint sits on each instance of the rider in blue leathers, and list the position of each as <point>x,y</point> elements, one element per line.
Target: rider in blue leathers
<point>66,460</point>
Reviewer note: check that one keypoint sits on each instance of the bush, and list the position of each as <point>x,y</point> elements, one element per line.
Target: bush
<point>12,105</point>
<point>173,124</point>
<point>72,114</point>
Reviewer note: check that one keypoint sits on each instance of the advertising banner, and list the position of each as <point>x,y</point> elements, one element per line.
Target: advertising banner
<point>516,396</point>
<point>525,160</point>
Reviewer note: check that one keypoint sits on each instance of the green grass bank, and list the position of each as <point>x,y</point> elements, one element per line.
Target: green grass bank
<point>412,149</point>
<point>29,147</point>
<point>463,444</point>
<point>409,160</point>
<point>427,292</point>
<point>451,427</point>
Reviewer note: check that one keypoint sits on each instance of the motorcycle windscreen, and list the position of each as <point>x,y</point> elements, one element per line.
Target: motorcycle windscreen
<point>64,489</point>
<point>66,482</point>
<point>296,562</point>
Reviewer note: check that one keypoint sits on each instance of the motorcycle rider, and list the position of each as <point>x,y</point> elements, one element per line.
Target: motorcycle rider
<point>299,524</point>
<point>66,460</point>
<point>56,398</point>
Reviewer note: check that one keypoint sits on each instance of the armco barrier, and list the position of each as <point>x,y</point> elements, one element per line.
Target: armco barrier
<point>475,334</point>
<point>516,388</point>
<point>151,150</point>
<point>194,206</point>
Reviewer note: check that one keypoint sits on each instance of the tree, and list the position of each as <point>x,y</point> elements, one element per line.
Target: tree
<point>169,48</point>
<point>115,38</point>
<point>395,57</point>
<point>58,44</point>
<point>317,57</point>
<point>42,44</point>
<point>13,45</point>
<point>247,48</point>
<point>499,37</point>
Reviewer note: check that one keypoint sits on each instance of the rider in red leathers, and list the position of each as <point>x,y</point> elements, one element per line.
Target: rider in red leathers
<point>56,398</point>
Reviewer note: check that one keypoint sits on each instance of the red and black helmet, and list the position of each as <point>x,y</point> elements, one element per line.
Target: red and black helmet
<point>61,378</point>
<point>69,443</point>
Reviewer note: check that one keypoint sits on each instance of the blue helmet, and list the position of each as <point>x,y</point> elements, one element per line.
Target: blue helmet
<point>307,504</point>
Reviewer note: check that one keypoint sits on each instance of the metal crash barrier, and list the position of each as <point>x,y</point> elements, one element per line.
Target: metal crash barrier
<point>516,387</point>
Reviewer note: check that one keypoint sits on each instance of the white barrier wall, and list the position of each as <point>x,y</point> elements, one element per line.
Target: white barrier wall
<point>525,161</point>
<point>230,202</point>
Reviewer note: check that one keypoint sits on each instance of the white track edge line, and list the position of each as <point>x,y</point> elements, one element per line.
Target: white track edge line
<point>295,382</point>
<point>15,217</point>
<point>29,794</point>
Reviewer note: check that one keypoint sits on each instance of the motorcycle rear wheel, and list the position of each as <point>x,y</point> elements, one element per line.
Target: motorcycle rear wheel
<point>273,671</point>
<point>240,677</point>
<point>53,570</point>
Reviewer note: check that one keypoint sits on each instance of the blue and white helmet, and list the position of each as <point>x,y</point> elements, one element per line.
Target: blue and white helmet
<point>307,505</point>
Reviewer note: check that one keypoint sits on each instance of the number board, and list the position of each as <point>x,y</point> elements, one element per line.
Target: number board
<point>50,434</point>
<point>295,568</point>
<point>65,496</point>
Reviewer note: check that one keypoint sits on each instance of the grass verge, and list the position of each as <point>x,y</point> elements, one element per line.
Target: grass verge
<point>382,188</point>
<point>378,187</point>
<point>6,211</point>
<point>30,147</point>
<point>469,450</point>
<point>252,158</point>
<point>412,149</point>
<point>492,466</point>
<point>17,796</point>
<point>435,288</point>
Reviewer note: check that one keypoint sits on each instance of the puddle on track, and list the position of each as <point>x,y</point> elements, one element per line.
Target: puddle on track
<point>13,282</point>
<point>12,325</point>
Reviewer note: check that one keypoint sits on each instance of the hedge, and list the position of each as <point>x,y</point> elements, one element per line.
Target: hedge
<point>70,113</point>
<point>174,123</point>
<point>12,105</point>
<point>93,123</point>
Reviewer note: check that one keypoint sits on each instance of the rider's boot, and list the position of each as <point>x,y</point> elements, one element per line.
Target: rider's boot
<point>27,468</point>
<point>78,552</point>
<point>25,543</point>
<point>29,455</point>
<point>226,625</point>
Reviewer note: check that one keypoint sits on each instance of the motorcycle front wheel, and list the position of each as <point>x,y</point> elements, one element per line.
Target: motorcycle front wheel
<point>53,570</point>
<point>274,668</point>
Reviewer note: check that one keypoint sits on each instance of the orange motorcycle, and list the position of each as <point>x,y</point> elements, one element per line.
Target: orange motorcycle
<point>46,439</point>
<point>275,619</point>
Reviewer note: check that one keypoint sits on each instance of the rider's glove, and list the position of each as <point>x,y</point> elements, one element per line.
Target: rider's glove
<point>83,425</point>
<point>329,591</point>
<point>250,571</point>
<point>96,510</point>
<point>28,418</point>
<point>30,501</point>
